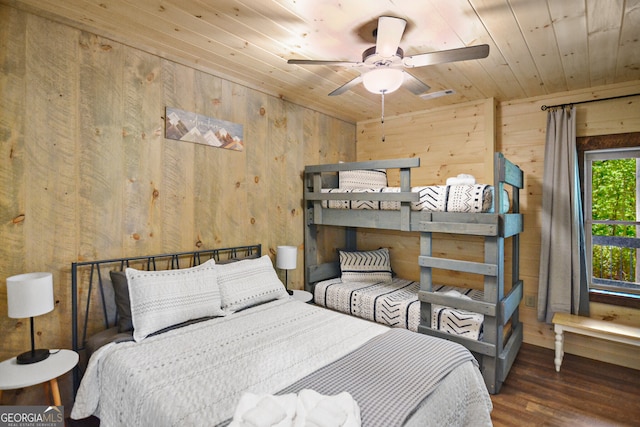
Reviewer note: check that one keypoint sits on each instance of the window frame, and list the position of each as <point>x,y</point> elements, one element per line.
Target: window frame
<point>612,145</point>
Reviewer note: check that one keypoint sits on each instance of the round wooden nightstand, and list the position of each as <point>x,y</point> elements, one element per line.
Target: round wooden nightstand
<point>303,296</point>
<point>45,372</point>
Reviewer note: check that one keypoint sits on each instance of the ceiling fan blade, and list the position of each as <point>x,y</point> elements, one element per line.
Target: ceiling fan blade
<point>388,35</point>
<point>444,56</point>
<point>416,86</point>
<point>315,62</point>
<point>345,87</point>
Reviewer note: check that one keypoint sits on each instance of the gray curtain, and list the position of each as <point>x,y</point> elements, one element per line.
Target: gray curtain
<point>562,283</point>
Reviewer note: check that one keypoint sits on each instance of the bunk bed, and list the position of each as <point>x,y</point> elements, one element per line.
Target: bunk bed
<point>496,218</point>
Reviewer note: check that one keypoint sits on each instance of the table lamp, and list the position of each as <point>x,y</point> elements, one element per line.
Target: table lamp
<point>30,295</point>
<point>286,259</point>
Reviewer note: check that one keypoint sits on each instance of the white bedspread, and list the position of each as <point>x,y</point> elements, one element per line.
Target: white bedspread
<point>182,377</point>
<point>196,375</point>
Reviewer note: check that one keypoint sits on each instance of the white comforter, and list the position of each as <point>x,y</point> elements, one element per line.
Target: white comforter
<point>182,377</point>
<point>196,375</point>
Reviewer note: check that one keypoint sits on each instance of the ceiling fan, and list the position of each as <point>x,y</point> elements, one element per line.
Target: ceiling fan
<point>382,66</point>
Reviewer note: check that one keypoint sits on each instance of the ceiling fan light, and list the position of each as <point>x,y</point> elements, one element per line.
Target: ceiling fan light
<point>383,80</point>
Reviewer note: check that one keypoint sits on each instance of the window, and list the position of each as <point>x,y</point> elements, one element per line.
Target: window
<point>611,213</point>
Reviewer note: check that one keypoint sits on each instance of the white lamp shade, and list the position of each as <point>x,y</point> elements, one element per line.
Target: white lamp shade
<point>381,80</point>
<point>286,257</point>
<point>29,295</point>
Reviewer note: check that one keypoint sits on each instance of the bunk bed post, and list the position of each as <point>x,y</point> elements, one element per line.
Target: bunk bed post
<point>405,207</point>
<point>311,230</point>
<point>350,240</point>
<point>310,248</point>
<point>494,285</point>
<point>493,325</point>
<point>518,183</point>
<point>426,278</point>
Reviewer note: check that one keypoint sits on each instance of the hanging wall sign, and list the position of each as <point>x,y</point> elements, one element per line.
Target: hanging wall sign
<point>191,127</point>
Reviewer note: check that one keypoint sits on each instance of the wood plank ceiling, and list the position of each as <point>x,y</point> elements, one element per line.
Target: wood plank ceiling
<point>537,47</point>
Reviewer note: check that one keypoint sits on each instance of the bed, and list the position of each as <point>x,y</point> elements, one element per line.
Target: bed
<point>258,342</point>
<point>352,196</point>
<point>396,304</point>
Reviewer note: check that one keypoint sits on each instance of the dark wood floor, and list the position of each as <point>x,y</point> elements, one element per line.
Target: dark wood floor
<point>584,393</point>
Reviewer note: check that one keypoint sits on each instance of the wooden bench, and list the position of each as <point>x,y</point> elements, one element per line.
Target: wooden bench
<point>591,327</point>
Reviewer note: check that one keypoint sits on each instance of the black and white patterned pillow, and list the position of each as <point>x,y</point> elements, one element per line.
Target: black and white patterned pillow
<point>364,178</point>
<point>366,266</point>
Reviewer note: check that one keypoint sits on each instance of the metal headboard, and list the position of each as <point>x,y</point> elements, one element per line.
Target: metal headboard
<point>97,269</point>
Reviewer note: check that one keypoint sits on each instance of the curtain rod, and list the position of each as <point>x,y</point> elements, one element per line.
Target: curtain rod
<point>546,107</point>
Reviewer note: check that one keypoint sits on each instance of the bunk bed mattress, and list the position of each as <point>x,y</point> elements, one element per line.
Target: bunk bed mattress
<point>273,345</point>
<point>475,198</point>
<point>396,304</point>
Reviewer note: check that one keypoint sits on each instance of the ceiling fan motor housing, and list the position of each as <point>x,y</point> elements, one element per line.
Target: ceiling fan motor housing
<point>370,57</point>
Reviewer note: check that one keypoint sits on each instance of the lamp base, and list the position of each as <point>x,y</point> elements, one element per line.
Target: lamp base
<point>34,356</point>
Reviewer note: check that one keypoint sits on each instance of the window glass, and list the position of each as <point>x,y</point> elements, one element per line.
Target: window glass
<point>611,213</point>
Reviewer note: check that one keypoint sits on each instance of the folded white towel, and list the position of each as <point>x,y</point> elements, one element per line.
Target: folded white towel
<point>317,410</point>
<point>264,410</point>
<point>454,293</point>
<point>461,179</point>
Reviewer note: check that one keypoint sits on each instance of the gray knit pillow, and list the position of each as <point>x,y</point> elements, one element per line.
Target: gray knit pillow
<point>160,299</point>
<point>249,282</point>
<point>365,178</point>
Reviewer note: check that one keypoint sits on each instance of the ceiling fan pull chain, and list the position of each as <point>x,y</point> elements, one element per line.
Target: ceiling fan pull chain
<point>382,115</point>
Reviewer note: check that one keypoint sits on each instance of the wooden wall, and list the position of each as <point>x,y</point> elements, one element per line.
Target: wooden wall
<point>85,172</point>
<point>450,140</point>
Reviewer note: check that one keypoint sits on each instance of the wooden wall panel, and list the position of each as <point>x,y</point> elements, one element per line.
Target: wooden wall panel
<point>338,145</point>
<point>86,172</point>
<point>52,158</point>
<point>142,128</point>
<point>429,135</point>
<point>277,163</point>
<point>13,163</point>
<point>101,167</point>
<point>257,178</point>
<point>178,172</point>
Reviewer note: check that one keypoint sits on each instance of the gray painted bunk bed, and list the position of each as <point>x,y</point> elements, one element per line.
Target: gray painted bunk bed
<point>497,350</point>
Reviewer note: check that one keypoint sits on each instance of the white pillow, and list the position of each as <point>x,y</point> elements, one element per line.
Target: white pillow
<point>164,298</point>
<point>366,266</point>
<point>364,178</point>
<point>249,282</point>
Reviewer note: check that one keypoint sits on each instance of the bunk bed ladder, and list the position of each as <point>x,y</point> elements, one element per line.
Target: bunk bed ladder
<point>489,351</point>
<point>497,350</point>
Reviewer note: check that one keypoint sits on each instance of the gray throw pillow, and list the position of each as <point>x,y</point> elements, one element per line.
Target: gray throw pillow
<point>121,290</point>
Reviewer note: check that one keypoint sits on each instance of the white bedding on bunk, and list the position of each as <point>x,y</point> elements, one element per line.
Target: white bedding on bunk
<point>473,198</point>
<point>396,304</point>
<point>196,375</point>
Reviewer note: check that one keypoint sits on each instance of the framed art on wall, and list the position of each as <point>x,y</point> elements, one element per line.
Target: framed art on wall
<point>192,127</point>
